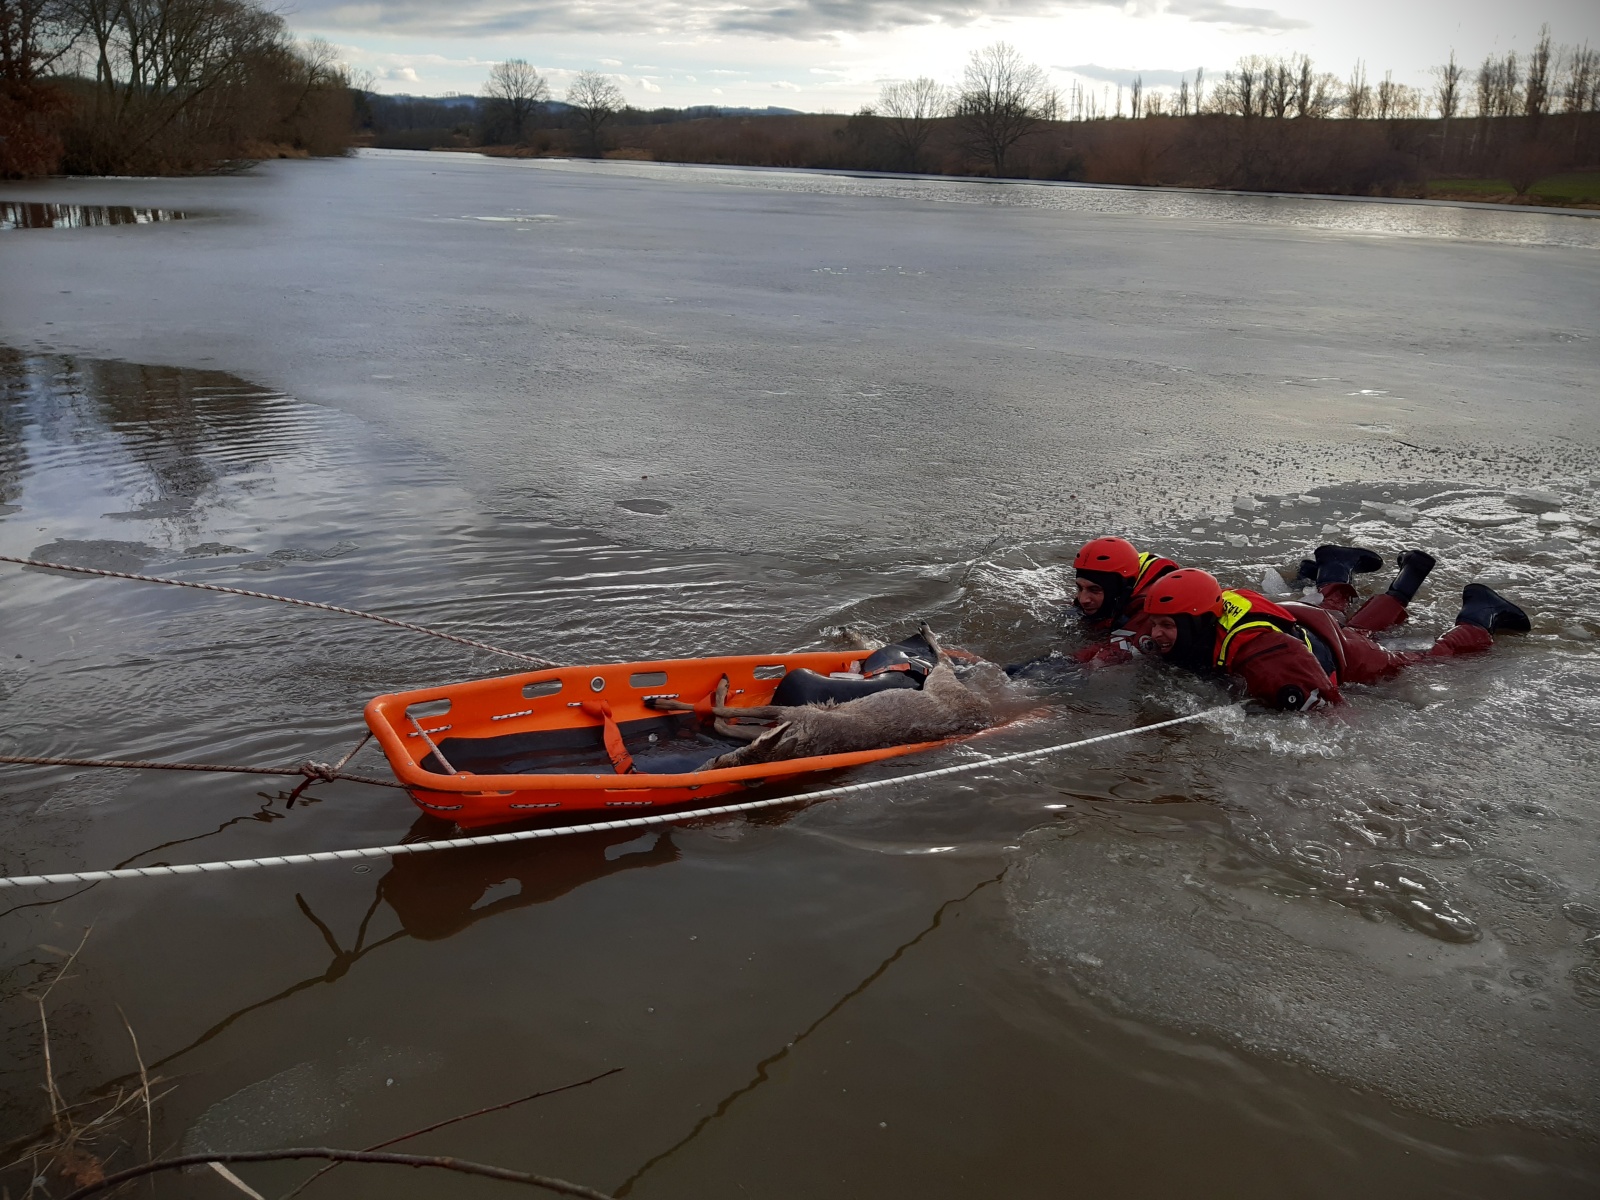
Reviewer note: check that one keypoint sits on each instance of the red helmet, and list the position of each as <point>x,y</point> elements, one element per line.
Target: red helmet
<point>1187,590</point>
<point>1109,555</point>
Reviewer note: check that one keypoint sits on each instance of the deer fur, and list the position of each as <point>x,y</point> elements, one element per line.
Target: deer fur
<point>943,707</point>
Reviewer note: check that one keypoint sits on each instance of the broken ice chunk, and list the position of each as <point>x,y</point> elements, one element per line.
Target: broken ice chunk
<point>1533,499</point>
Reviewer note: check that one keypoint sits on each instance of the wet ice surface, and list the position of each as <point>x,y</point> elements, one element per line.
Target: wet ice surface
<point>1351,952</point>
<point>1350,215</point>
<point>815,364</point>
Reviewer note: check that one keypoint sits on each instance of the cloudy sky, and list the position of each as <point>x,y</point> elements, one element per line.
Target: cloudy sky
<point>833,55</point>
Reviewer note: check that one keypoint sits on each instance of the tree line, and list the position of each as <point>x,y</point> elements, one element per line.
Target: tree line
<point>160,86</point>
<point>1268,123</point>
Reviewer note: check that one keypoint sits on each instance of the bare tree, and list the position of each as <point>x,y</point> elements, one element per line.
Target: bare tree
<point>909,108</point>
<point>516,93</point>
<point>1447,92</point>
<point>1138,97</point>
<point>34,34</point>
<point>1499,86</point>
<point>1536,95</point>
<point>1583,74</point>
<point>1388,97</point>
<point>174,79</point>
<point>595,100</point>
<point>1357,94</point>
<point>1003,99</point>
<point>1305,86</point>
<point>1183,96</point>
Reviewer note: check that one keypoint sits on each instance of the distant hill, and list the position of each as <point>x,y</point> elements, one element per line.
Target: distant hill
<point>401,121</point>
<point>463,100</point>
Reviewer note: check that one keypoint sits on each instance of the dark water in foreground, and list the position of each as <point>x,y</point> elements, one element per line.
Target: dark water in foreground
<point>1256,957</point>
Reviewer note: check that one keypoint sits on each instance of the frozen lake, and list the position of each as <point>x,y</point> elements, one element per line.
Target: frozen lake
<point>614,411</point>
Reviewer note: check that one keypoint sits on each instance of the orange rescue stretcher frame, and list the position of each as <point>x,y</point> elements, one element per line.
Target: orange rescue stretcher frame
<point>587,697</point>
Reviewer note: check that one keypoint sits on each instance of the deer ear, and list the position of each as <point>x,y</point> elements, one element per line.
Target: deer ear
<point>771,742</point>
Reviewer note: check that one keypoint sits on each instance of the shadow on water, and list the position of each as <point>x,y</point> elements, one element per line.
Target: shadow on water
<point>16,214</point>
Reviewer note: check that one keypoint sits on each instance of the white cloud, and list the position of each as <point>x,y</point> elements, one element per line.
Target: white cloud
<point>610,62</point>
<point>649,85</point>
<point>801,19</point>
<point>1150,78</point>
<point>783,85</point>
<point>402,74</point>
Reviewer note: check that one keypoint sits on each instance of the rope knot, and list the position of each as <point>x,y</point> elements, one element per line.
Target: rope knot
<point>323,771</point>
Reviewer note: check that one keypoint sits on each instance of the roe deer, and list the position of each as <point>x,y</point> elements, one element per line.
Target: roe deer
<point>942,707</point>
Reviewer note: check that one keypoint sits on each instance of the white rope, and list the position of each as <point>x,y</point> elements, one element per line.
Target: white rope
<point>528,835</point>
<point>531,659</point>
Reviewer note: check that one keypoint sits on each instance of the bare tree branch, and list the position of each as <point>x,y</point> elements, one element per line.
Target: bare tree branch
<point>482,1112</point>
<point>460,1165</point>
<point>517,93</point>
<point>1003,99</point>
<point>595,99</point>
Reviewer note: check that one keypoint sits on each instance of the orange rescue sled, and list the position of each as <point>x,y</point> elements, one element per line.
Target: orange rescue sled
<point>581,739</point>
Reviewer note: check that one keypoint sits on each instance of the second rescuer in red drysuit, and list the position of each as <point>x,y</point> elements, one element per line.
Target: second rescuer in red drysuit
<point>1111,581</point>
<point>1295,656</point>
<point>1114,579</point>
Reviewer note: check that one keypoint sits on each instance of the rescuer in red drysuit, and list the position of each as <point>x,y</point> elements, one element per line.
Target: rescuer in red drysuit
<point>1112,580</point>
<point>1331,571</point>
<point>1295,656</point>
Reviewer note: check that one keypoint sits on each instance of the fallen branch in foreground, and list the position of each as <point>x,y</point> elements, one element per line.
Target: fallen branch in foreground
<point>493,1108</point>
<point>548,1182</point>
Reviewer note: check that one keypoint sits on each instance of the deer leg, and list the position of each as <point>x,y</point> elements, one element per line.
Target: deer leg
<point>929,636</point>
<point>743,733</point>
<point>667,704</point>
<point>725,718</point>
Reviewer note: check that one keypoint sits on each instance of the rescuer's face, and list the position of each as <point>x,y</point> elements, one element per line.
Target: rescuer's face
<point>1164,633</point>
<point>1091,598</point>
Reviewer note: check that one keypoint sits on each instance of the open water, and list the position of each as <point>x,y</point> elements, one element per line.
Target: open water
<point>1254,956</point>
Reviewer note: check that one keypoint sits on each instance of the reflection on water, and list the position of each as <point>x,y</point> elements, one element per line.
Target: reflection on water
<point>1399,895</point>
<point>438,895</point>
<point>1526,227</point>
<point>16,214</point>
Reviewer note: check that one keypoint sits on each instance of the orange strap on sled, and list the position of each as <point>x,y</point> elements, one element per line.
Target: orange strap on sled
<point>621,760</point>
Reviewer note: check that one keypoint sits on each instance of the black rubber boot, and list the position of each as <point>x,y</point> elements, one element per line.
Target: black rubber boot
<point>1414,567</point>
<point>1335,564</point>
<point>1488,609</point>
<point>913,655</point>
